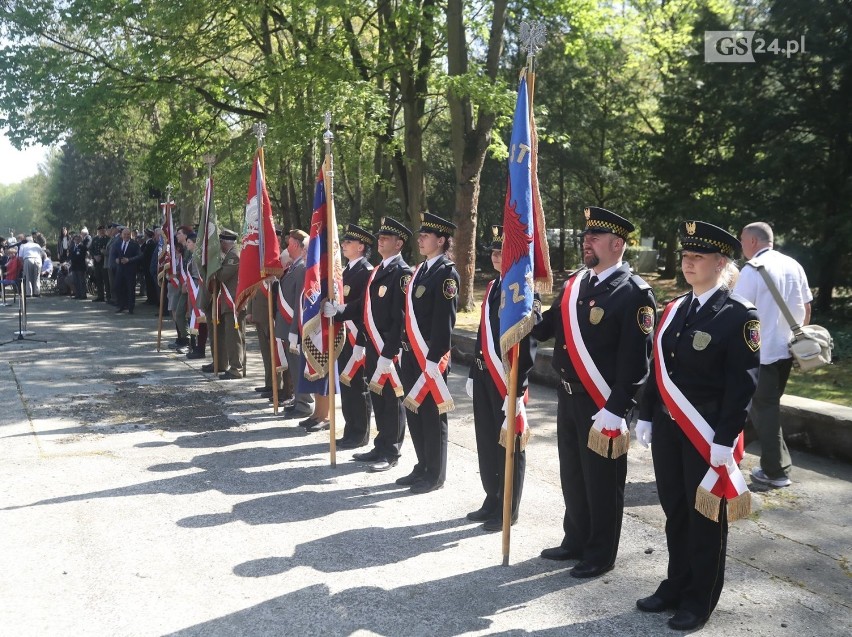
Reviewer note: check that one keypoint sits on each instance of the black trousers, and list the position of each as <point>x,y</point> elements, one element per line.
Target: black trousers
<point>592,486</point>
<point>388,412</point>
<point>152,292</point>
<point>355,401</point>
<point>487,421</point>
<point>697,545</point>
<point>429,430</point>
<point>125,284</point>
<point>100,279</point>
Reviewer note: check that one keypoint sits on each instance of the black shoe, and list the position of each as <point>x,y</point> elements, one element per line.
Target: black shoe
<point>425,486</point>
<point>130,311</point>
<point>686,620</point>
<point>195,354</point>
<point>411,479</point>
<point>230,376</point>
<point>208,368</point>
<point>308,422</point>
<point>654,604</point>
<point>295,412</point>
<point>264,388</point>
<point>561,554</point>
<point>265,394</point>
<point>372,455</point>
<point>343,443</point>
<point>119,310</point>
<point>382,465</point>
<point>320,425</point>
<point>492,525</point>
<point>586,569</point>
<point>487,510</point>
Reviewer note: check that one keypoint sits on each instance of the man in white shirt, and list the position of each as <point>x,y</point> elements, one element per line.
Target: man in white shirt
<point>775,360</point>
<point>31,254</point>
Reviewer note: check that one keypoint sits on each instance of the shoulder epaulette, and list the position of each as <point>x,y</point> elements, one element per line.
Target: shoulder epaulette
<point>639,282</point>
<point>742,301</point>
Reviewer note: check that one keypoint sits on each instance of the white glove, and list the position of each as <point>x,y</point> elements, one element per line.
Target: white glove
<point>468,388</point>
<point>294,343</point>
<point>328,309</point>
<point>358,352</point>
<point>607,420</point>
<point>643,432</point>
<point>721,455</point>
<point>383,366</point>
<point>432,369</point>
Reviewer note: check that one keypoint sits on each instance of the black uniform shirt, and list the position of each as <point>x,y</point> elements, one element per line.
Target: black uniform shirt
<point>435,300</point>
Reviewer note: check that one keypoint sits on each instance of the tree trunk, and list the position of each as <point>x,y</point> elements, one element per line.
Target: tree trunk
<point>469,142</point>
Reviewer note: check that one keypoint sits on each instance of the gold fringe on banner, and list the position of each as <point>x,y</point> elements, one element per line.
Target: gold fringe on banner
<point>448,406</point>
<point>739,507</point>
<point>410,404</point>
<point>523,438</point>
<point>598,442</point>
<point>620,445</point>
<point>346,380</point>
<point>707,504</point>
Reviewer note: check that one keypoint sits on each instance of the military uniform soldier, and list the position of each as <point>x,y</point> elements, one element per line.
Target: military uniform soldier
<point>430,315</point>
<point>487,386</point>
<point>231,336</point>
<point>384,313</point>
<point>602,321</point>
<point>354,394</point>
<point>98,252</point>
<point>707,356</point>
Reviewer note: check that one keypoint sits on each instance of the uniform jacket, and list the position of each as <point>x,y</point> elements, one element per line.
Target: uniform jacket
<point>292,284</point>
<point>387,299</point>
<point>717,375</point>
<point>527,346</point>
<point>354,286</point>
<point>619,344</point>
<point>229,273</point>
<point>435,300</point>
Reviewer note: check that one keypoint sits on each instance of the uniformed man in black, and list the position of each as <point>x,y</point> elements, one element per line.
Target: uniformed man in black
<point>384,319</point>
<point>354,394</point>
<point>98,252</point>
<point>613,314</point>
<point>488,415</point>
<point>434,293</point>
<point>709,348</point>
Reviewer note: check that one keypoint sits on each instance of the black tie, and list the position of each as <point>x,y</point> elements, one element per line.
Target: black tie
<point>423,271</point>
<point>693,310</point>
<point>593,281</point>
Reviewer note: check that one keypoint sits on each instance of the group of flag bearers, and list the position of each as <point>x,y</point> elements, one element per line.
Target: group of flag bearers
<point>381,337</point>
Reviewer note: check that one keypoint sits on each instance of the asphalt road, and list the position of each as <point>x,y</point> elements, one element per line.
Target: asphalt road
<point>140,497</point>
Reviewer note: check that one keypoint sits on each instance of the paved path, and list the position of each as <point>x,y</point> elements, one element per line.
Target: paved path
<point>139,497</point>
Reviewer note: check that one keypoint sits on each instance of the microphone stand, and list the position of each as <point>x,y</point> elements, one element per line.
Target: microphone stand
<point>22,332</point>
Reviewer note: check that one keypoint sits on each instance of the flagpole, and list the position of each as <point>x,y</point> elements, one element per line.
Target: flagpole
<point>328,181</point>
<point>260,129</point>
<point>167,218</point>
<point>532,39</point>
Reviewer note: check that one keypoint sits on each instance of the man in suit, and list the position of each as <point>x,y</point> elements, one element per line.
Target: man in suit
<point>602,321</point>
<point>384,316</point>
<point>127,260</point>
<point>111,255</point>
<point>152,293</point>
<point>231,330</point>
<point>287,327</point>
<point>354,394</point>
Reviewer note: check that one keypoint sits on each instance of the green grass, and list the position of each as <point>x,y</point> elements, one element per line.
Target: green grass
<point>830,384</point>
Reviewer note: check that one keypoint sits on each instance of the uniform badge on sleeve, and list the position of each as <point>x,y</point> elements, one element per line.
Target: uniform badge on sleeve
<point>450,289</point>
<point>645,318</point>
<point>403,281</point>
<point>751,333</point>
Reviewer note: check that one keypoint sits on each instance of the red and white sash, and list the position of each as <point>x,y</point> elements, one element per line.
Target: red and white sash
<point>725,482</point>
<point>425,384</point>
<point>229,302</point>
<point>498,373</point>
<point>584,365</point>
<point>196,316</point>
<point>355,362</point>
<point>377,382</point>
<point>177,272</point>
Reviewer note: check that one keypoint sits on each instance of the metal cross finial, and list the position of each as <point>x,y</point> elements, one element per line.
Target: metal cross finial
<point>168,193</point>
<point>259,129</point>
<point>533,35</point>
<point>328,136</point>
<point>210,160</point>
